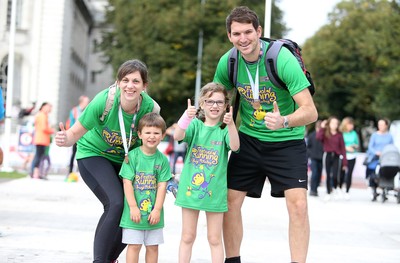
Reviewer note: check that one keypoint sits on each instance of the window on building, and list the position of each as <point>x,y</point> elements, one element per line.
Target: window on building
<point>3,75</point>
<point>18,13</point>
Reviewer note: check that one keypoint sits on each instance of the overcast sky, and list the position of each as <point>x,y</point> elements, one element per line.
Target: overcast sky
<point>305,17</point>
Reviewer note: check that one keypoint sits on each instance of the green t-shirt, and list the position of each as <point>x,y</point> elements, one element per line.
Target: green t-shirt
<point>202,184</point>
<point>104,137</point>
<point>252,121</point>
<point>145,172</point>
<point>351,139</point>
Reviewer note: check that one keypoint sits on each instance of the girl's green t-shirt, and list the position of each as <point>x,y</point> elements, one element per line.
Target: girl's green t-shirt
<point>203,182</point>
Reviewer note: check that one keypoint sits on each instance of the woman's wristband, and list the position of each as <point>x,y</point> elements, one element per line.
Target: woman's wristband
<point>184,121</point>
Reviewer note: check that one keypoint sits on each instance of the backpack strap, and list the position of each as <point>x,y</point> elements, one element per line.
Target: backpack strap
<point>232,65</point>
<point>110,100</point>
<point>232,74</point>
<point>271,64</point>
<point>156,107</point>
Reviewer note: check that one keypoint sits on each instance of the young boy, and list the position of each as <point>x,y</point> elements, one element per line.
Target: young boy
<point>145,174</point>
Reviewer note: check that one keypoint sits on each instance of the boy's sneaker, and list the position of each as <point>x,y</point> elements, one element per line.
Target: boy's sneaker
<point>172,186</point>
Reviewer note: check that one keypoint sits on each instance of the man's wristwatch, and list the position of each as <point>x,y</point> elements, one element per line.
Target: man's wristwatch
<point>285,122</point>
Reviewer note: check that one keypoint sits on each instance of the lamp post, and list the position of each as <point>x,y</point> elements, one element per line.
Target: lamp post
<point>267,20</point>
<point>199,59</point>
<point>10,84</point>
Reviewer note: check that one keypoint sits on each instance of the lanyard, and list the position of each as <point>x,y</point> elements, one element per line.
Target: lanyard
<point>255,83</point>
<point>123,133</point>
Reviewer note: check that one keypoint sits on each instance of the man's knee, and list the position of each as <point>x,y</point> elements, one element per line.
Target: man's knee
<point>297,203</point>
<point>235,199</point>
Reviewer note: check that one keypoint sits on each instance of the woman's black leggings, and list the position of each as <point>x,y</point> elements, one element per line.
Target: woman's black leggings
<point>346,177</point>
<point>332,170</point>
<point>101,176</point>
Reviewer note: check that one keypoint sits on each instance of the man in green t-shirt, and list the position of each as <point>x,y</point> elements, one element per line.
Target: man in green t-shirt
<point>271,134</point>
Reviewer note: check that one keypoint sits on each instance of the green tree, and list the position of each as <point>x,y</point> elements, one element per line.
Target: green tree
<point>355,61</point>
<point>165,33</point>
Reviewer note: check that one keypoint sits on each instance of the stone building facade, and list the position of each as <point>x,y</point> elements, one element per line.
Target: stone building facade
<point>55,59</point>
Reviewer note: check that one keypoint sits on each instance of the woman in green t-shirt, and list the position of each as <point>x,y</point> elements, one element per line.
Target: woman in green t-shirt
<point>105,132</point>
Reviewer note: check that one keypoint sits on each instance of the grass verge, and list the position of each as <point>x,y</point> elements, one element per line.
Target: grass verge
<point>11,175</point>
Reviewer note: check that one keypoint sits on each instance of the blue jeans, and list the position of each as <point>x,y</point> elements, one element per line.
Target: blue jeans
<point>176,156</point>
<point>316,172</point>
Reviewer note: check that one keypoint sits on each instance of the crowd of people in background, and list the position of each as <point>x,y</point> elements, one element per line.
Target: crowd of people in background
<point>333,147</point>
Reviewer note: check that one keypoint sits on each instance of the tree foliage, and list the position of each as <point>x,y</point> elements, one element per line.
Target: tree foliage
<point>165,35</point>
<point>354,60</point>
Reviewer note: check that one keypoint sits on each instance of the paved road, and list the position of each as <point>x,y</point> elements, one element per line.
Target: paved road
<point>53,222</point>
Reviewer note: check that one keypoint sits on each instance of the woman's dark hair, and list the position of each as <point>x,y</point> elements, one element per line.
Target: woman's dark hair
<point>43,104</point>
<point>131,66</point>
<point>328,133</point>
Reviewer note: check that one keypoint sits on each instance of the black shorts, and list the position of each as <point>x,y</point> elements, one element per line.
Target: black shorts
<point>283,163</point>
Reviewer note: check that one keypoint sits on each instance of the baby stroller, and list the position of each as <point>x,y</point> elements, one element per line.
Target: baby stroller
<point>388,168</point>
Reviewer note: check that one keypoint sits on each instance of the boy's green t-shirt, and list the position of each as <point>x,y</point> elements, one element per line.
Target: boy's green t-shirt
<point>104,137</point>
<point>252,121</point>
<point>203,182</point>
<point>145,172</point>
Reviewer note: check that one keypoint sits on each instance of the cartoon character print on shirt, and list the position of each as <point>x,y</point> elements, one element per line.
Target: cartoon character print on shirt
<point>146,184</point>
<point>266,96</point>
<point>114,139</point>
<point>204,159</point>
<point>200,184</point>
<point>145,206</point>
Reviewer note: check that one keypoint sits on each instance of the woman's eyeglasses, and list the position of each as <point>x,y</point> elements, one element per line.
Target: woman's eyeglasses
<point>219,103</point>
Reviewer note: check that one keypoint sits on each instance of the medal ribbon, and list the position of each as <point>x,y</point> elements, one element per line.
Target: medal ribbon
<point>123,132</point>
<point>255,83</point>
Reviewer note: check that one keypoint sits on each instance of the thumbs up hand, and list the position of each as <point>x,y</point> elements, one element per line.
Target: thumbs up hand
<point>61,136</point>
<point>187,117</point>
<point>274,120</point>
<point>191,110</point>
<point>228,116</point>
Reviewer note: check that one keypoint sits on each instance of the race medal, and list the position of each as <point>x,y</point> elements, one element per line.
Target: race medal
<point>256,104</point>
<point>126,158</point>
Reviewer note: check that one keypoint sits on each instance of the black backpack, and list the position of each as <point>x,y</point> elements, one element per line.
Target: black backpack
<point>274,47</point>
